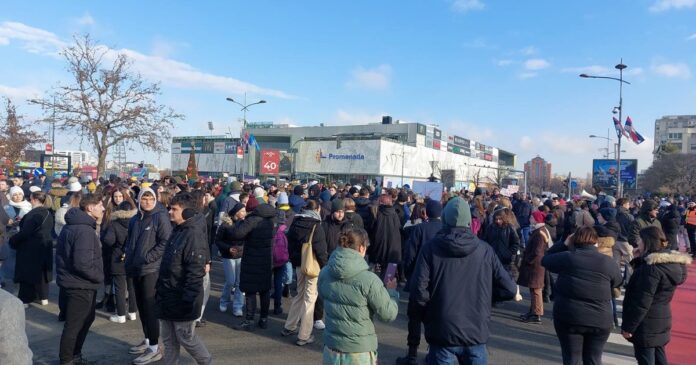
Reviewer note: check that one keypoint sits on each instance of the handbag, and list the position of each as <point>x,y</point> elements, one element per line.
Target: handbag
<point>310,265</point>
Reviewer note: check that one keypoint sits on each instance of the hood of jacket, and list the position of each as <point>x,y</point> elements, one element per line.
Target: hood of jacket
<point>58,191</point>
<point>297,203</point>
<point>362,202</point>
<point>197,221</point>
<point>456,242</point>
<point>309,214</point>
<point>387,209</point>
<point>75,216</point>
<point>123,214</point>
<point>325,196</point>
<point>264,211</point>
<point>159,208</point>
<point>345,263</point>
<point>664,261</point>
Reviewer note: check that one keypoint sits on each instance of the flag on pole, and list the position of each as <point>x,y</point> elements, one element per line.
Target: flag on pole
<point>620,131</point>
<point>252,141</point>
<point>635,136</point>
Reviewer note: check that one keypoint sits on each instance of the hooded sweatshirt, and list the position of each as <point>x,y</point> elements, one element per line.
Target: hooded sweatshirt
<point>352,294</point>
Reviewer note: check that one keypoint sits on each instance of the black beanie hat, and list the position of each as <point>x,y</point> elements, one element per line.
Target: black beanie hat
<point>298,190</point>
<point>236,208</point>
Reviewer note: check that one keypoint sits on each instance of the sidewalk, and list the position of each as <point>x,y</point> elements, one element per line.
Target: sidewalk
<point>680,350</point>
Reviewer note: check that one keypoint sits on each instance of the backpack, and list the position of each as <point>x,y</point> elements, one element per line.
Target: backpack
<point>280,247</point>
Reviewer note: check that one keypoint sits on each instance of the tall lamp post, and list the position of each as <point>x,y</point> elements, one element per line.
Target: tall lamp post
<point>244,109</point>
<point>620,67</point>
<point>607,138</point>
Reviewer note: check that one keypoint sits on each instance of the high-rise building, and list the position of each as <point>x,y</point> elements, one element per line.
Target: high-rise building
<point>78,158</point>
<point>538,172</point>
<point>676,130</point>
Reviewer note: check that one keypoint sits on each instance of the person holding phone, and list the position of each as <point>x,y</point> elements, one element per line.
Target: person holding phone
<point>351,294</point>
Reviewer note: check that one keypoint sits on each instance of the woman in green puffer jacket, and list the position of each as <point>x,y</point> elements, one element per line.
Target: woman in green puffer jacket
<point>352,295</point>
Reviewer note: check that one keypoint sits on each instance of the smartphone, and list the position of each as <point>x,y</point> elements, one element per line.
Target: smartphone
<point>390,273</point>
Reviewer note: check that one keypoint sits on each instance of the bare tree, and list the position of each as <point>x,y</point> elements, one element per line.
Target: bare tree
<point>14,136</point>
<point>108,104</point>
<point>673,173</point>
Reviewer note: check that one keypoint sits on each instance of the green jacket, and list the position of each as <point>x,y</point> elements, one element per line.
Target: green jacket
<point>352,295</point>
<point>642,221</point>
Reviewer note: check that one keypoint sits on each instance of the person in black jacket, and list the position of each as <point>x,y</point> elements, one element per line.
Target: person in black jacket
<point>420,235</point>
<point>231,252</point>
<point>457,276</point>
<point>354,218</point>
<point>502,236</point>
<point>335,225</point>
<point>79,270</point>
<point>34,245</point>
<point>115,236</point>
<point>671,221</point>
<point>647,316</point>
<point>582,312</point>
<point>622,250</point>
<point>385,236</point>
<point>523,211</point>
<point>257,232</point>
<point>301,312</point>
<point>148,233</point>
<point>179,294</point>
<point>362,207</point>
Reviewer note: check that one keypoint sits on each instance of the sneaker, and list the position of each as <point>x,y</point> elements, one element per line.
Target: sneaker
<point>305,342</point>
<point>319,325</point>
<point>44,301</point>
<point>237,313</point>
<point>223,307</point>
<point>139,348</point>
<point>149,356</point>
<point>286,332</point>
<point>131,316</point>
<point>117,319</point>
<point>246,325</point>
<point>263,323</point>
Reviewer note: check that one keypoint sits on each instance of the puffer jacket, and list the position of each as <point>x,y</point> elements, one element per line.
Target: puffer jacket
<point>78,254</point>
<point>646,306</point>
<point>115,236</point>
<point>179,288</point>
<point>299,233</point>
<point>352,294</point>
<point>504,240</point>
<point>362,207</point>
<point>385,237</point>
<point>147,239</point>
<point>257,232</point>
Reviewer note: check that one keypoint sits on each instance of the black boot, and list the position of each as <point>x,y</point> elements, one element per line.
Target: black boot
<point>411,358</point>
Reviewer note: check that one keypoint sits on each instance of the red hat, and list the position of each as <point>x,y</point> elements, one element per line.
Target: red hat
<point>252,203</point>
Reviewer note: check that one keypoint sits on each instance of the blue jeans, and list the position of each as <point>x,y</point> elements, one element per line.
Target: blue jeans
<point>524,236</point>
<point>232,267</point>
<point>466,355</point>
<point>278,282</point>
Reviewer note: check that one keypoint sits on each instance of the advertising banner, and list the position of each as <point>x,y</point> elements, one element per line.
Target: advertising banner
<point>429,189</point>
<point>604,173</point>
<point>270,162</point>
<point>354,157</point>
<point>219,147</point>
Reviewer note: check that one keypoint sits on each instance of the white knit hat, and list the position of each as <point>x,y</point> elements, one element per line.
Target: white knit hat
<point>16,190</point>
<point>75,186</point>
<point>34,188</point>
<point>259,192</point>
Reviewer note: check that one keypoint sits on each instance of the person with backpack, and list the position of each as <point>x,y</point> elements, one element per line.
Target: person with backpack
<point>280,259</point>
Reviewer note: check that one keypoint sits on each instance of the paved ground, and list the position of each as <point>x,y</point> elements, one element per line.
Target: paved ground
<point>512,342</point>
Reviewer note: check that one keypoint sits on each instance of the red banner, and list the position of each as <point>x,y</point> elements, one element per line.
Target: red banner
<point>270,162</point>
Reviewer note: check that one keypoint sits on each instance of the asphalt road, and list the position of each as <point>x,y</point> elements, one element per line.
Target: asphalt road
<point>511,342</point>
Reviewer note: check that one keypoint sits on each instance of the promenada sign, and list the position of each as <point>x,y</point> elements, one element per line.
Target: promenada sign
<point>332,156</point>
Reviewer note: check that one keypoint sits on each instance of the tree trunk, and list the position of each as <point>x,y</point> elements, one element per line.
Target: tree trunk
<point>101,164</point>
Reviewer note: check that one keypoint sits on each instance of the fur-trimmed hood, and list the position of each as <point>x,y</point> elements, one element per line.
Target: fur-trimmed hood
<point>123,214</point>
<point>670,257</point>
<point>225,219</point>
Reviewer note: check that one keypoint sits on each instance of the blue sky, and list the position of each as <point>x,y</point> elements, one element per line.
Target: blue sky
<point>501,72</point>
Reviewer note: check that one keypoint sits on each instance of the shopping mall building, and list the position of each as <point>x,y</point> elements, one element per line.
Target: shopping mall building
<point>393,153</point>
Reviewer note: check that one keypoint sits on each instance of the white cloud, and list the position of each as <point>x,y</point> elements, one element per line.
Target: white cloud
<point>378,78</point>
<point>32,39</point>
<point>528,75</point>
<point>536,64</point>
<point>166,48</point>
<point>635,71</point>
<point>464,6</point>
<point>19,93</point>
<point>673,70</point>
<point>154,68</point>
<point>344,117</point>
<point>504,63</point>
<point>662,5</point>
<point>86,20</point>
<point>691,37</point>
<point>528,51</point>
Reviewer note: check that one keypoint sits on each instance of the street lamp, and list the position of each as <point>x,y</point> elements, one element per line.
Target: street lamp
<point>244,109</point>
<point>607,138</point>
<point>620,67</point>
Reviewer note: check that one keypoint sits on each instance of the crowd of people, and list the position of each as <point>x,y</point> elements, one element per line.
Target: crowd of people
<point>143,251</point>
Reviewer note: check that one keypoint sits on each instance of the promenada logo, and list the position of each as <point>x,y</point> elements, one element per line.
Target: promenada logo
<point>319,155</point>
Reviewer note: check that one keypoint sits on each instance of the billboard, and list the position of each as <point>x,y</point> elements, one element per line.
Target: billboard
<point>270,162</point>
<point>604,173</point>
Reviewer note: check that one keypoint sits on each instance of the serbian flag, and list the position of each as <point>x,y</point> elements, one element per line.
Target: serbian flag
<point>635,136</point>
<point>620,131</point>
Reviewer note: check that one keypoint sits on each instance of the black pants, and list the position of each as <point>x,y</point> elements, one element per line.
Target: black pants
<point>145,297</point>
<point>581,344</point>
<point>123,285</point>
<point>691,232</point>
<point>29,292</point>
<point>79,314</point>
<point>319,309</point>
<point>549,282</point>
<point>415,321</point>
<point>251,304</point>
<point>650,355</point>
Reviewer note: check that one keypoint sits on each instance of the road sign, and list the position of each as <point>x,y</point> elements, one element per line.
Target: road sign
<point>49,149</point>
<point>573,184</point>
<point>240,152</point>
